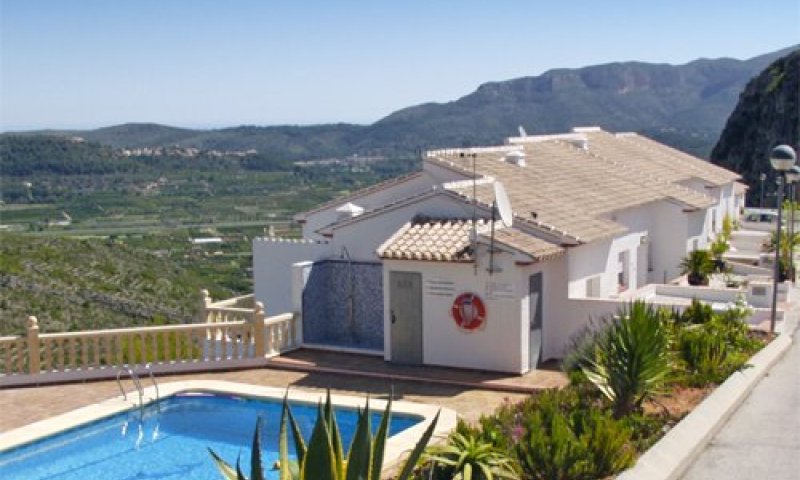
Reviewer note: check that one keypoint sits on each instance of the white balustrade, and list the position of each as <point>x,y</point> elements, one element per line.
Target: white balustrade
<point>230,334</point>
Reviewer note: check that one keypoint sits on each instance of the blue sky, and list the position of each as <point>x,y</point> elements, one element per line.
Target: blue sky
<point>198,63</point>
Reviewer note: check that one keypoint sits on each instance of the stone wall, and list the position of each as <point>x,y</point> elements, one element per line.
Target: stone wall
<point>343,305</point>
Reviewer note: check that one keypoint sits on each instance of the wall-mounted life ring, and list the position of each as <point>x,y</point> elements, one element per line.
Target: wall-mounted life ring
<point>469,312</point>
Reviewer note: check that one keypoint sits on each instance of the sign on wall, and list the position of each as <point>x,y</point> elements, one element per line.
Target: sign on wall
<point>440,287</point>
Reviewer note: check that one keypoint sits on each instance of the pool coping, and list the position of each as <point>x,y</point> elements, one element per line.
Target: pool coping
<point>396,445</point>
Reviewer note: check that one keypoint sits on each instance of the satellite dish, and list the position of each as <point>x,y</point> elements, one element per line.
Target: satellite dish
<point>522,132</point>
<point>503,205</point>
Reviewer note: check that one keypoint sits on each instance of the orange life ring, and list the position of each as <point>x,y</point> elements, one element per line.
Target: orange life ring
<point>469,312</point>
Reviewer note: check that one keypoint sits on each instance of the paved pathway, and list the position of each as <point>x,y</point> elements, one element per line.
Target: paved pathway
<point>762,439</point>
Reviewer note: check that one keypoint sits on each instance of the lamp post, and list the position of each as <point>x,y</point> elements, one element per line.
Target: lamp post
<point>762,177</point>
<point>782,159</point>
<point>792,177</point>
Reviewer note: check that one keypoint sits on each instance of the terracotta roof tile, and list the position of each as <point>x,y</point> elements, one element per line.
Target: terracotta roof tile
<point>448,240</point>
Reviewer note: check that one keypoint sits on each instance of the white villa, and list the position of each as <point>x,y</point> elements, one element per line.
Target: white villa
<point>412,269</point>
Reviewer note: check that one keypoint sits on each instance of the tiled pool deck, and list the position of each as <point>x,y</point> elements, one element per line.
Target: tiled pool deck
<point>470,393</point>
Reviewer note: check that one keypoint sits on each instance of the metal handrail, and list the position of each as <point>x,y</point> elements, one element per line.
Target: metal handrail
<point>136,383</point>
<point>149,369</point>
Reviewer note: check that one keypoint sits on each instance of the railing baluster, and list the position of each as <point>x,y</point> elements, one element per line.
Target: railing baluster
<point>22,356</point>
<point>223,341</point>
<point>48,355</point>
<point>85,344</point>
<point>96,347</point>
<point>119,345</point>
<point>60,361</point>
<point>154,348</point>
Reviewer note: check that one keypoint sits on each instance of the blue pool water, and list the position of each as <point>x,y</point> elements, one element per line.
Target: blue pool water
<point>171,443</point>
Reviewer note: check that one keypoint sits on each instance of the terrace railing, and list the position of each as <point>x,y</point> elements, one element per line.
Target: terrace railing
<point>231,336</point>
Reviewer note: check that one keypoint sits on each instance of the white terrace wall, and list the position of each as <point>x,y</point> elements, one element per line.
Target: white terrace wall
<point>370,201</point>
<point>272,269</point>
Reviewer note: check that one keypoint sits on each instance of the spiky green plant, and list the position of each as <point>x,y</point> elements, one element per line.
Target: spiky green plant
<point>323,458</point>
<point>697,266</point>
<point>631,358</point>
<point>466,457</point>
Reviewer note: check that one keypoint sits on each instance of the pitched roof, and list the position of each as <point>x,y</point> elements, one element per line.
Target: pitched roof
<point>360,193</point>
<point>573,188</point>
<point>448,240</point>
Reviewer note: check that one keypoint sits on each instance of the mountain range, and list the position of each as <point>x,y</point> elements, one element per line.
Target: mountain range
<point>685,106</point>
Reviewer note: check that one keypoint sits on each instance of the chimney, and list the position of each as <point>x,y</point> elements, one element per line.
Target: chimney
<point>516,157</point>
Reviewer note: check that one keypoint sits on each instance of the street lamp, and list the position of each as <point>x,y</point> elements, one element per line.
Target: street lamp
<point>792,177</point>
<point>762,177</point>
<point>782,159</point>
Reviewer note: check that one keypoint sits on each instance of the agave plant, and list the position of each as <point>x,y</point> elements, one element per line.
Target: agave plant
<point>631,358</point>
<point>324,457</point>
<point>466,457</point>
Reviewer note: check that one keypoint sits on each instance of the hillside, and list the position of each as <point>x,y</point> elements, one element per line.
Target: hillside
<point>682,105</point>
<point>72,284</point>
<point>768,114</point>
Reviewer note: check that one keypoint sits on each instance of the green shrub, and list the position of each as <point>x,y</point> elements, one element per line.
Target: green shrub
<point>559,442</point>
<point>714,349</point>
<point>697,265</point>
<point>466,456</point>
<point>705,354</point>
<point>697,313</point>
<point>631,358</point>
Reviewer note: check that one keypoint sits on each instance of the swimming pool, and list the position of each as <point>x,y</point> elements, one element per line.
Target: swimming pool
<point>170,440</point>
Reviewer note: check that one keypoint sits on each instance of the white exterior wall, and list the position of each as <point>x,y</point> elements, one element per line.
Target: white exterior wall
<point>370,201</point>
<point>272,269</point>
<point>363,237</point>
<point>557,320</point>
<point>502,343</point>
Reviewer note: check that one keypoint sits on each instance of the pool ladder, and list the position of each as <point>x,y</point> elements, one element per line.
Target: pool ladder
<point>138,384</point>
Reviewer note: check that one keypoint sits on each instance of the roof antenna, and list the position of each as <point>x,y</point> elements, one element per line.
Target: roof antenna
<point>501,206</point>
<point>474,231</point>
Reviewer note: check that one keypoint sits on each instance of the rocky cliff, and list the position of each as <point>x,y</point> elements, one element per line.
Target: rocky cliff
<point>768,114</point>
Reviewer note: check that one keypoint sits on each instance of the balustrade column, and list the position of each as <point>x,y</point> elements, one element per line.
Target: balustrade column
<point>259,331</point>
<point>33,346</point>
<point>205,302</point>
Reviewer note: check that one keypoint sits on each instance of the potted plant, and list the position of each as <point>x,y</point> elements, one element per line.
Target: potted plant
<point>697,266</point>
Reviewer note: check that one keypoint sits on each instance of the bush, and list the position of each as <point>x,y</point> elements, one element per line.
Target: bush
<point>560,442</point>
<point>631,358</point>
<point>466,456</point>
<point>697,266</point>
<point>697,313</point>
<point>713,349</point>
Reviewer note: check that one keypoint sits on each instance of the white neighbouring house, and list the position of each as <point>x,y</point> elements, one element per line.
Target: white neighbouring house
<point>595,215</point>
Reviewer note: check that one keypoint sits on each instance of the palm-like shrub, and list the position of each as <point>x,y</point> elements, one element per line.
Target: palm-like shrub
<point>697,266</point>
<point>324,457</point>
<point>466,457</point>
<point>788,245</point>
<point>631,358</point>
<point>718,248</point>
